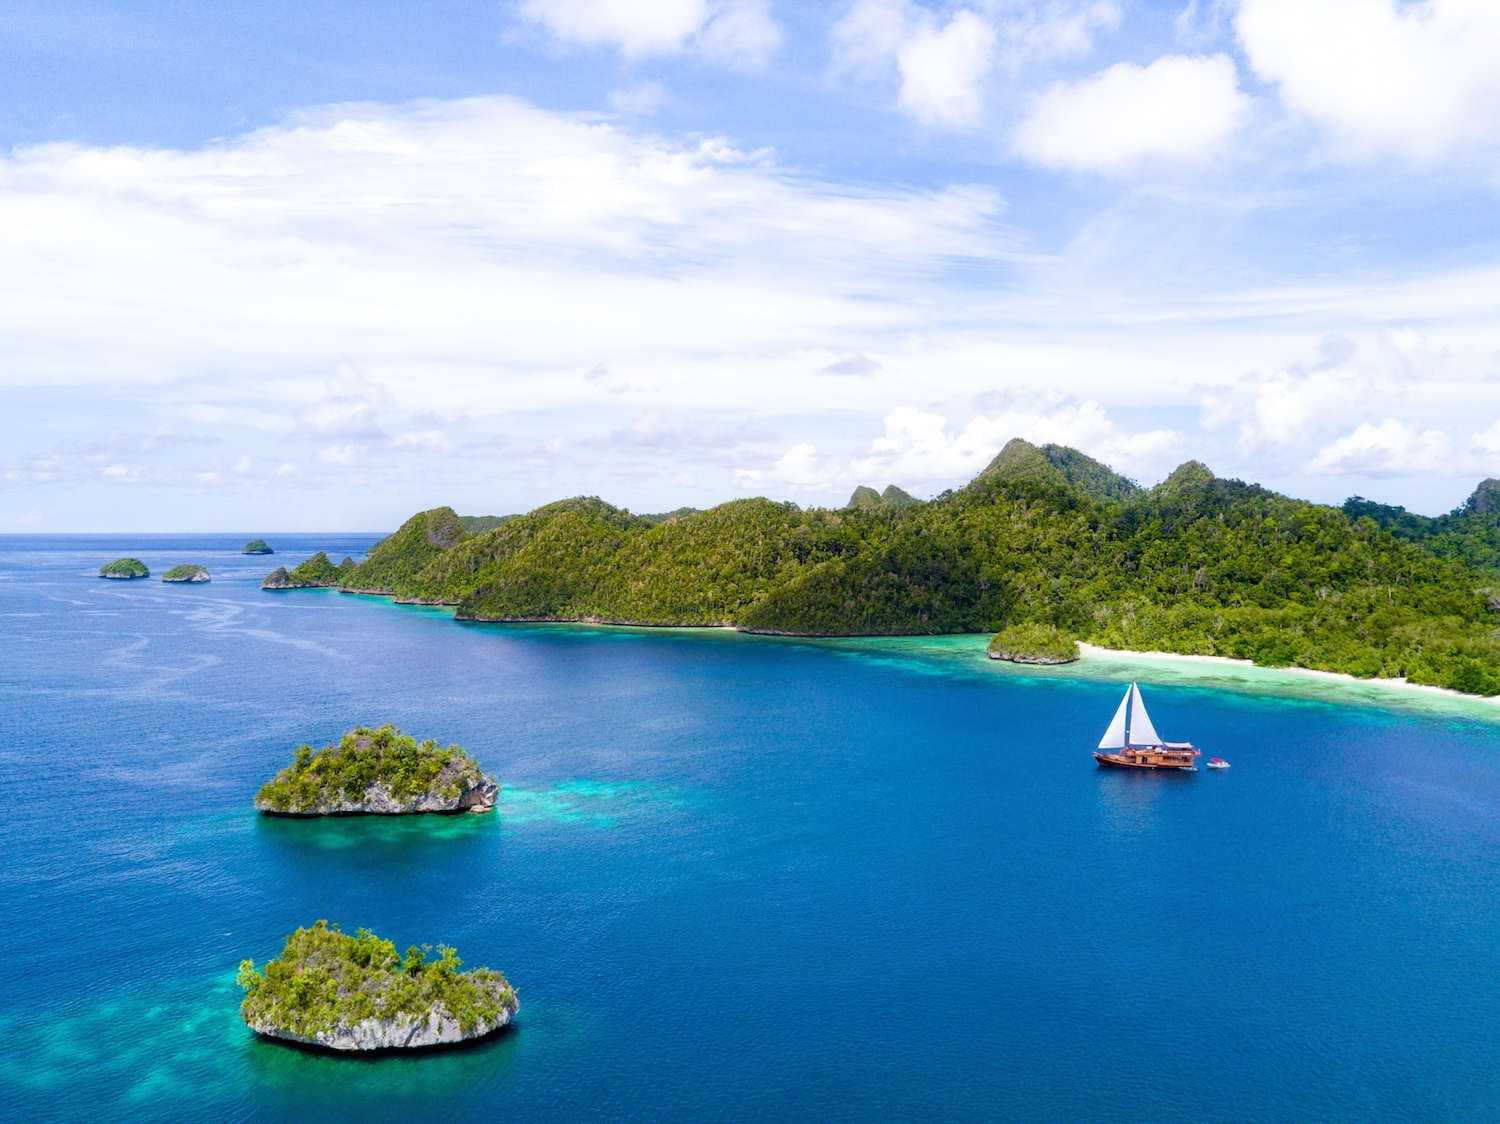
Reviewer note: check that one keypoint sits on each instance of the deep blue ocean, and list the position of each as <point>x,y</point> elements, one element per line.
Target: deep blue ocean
<point>731,877</point>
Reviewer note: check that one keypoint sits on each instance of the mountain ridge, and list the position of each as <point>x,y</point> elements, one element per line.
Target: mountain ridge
<point>1198,564</point>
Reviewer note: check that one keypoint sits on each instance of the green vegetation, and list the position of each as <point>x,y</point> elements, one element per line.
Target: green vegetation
<point>316,573</point>
<point>1468,535</point>
<point>256,546</point>
<point>669,516</point>
<point>187,572</point>
<point>338,776</point>
<point>1196,565</point>
<point>891,497</point>
<point>479,524</point>
<point>1033,642</point>
<point>125,568</point>
<point>324,980</point>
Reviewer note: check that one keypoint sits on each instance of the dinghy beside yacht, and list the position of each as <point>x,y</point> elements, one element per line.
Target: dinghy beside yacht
<point>1131,742</point>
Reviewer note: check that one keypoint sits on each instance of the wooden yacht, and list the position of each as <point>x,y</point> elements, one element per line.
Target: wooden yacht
<point>1131,742</point>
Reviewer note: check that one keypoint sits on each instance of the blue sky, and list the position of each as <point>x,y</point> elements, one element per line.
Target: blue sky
<point>301,266</point>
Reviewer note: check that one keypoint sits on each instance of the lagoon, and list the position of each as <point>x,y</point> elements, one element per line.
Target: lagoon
<point>731,877</point>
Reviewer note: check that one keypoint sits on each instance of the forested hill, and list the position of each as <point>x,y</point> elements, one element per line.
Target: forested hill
<point>1470,534</point>
<point>1196,564</point>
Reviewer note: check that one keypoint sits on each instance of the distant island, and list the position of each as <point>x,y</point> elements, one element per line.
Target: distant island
<point>378,772</point>
<point>1048,536</point>
<point>256,546</point>
<point>1033,642</point>
<point>316,573</point>
<point>187,572</point>
<point>125,568</point>
<point>355,993</point>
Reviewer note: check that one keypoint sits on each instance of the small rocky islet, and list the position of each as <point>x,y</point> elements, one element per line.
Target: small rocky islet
<point>1033,642</point>
<point>125,569</point>
<point>378,772</point>
<point>256,546</point>
<point>318,572</point>
<point>187,572</point>
<point>356,993</point>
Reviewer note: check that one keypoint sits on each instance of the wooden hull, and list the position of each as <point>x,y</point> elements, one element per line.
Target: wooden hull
<point>1181,760</point>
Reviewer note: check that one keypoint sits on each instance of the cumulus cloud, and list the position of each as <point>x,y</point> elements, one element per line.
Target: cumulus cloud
<point>349,408</point>
<point>739,31</point>
<point>800,469</point>
<point>943,64</point>
<point>1177,109</point>
<point>1413,79</point>
<point>1391,448</point>
<point>860,366</point>
<point>918,449</point>
<point>942,67</point>
<point>922,453</point>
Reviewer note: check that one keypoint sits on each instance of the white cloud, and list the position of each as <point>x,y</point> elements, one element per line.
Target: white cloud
<point>443,248</point>
<point>529,277</point>
<point>1289,405</point>
<point>340,455</point>
<point>350,408</point>
<point>636,27</point>
<point>1031,32</point>
<point>1389,449</point>
<point>428,441</point>
<point>739,31</point>
<point>919,452</point>
<point>1177,109</point>
<point>1415,79</point>
<point>800,469</point>
<point>1487,444</point>
<point>742,34</point>
<point>942,68</point>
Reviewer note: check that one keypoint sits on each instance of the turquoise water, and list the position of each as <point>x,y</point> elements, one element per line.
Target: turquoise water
<point>731,877</point>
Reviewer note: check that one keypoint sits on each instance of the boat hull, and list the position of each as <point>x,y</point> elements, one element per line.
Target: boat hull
<point>1182,761</point>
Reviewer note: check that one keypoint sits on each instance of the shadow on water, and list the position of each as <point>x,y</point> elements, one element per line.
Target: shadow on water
<point>297,1081</point>
<point>339,833</point>
<point>471,1045</point>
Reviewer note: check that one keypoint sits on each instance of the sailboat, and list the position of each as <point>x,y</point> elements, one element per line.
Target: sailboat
<point>1136,744</point>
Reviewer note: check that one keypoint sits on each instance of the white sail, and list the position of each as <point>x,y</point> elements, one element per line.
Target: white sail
<point>1114,737</point>
<point>1141,730</point>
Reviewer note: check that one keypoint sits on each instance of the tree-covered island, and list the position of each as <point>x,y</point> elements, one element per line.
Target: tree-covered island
<point>1033,642</point>
<point>256,546</point>
<point>378,772</point>
<point>316,573</point>
<point>125,568</point>
<point>1044,536</point>
<point>355,993</point>
<point>187,572</point>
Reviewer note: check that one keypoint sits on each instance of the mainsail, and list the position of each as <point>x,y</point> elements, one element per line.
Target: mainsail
<point>1141,730</point>
<point>1114,737</point>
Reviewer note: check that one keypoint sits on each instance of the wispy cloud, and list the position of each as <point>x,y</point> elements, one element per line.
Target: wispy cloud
<point>736,31</point>
<point>396,294</point>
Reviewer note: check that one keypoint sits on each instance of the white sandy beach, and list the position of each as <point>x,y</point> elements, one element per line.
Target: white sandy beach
<point>1172,666</point>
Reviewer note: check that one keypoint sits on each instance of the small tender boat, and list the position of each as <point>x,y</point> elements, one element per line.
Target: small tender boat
<point>1217,763</point>
<point>1136,744</point>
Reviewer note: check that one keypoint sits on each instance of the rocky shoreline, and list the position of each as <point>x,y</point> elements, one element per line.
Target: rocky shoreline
<point>406,1032</point>
<point>474,794</point>
<point>357,993</point>
<point>380,772</point>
